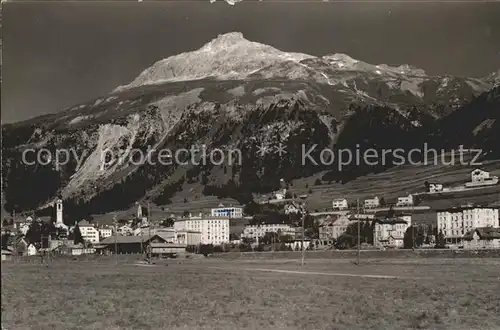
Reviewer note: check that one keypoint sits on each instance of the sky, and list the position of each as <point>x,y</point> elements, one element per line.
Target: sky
<point>58,54</point>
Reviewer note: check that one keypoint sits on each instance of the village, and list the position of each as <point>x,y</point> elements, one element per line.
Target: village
<point>281,224</point>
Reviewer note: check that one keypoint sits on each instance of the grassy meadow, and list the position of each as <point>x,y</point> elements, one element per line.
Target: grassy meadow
<point>252,294</point>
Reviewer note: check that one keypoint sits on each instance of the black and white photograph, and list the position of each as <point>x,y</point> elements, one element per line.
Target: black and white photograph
<point>246,164</point>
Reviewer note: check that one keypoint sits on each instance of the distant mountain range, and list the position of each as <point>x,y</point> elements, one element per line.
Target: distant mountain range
<point>234,93</point>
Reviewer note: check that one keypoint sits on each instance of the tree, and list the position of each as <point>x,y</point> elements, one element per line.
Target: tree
<point>426,184</point>
<point>77,235</point>
<point>247,240</point>
<point>285,239</point>
<point>123,222</point>
<point>382,201</point>
<point>5,240</point>
<point>367,233</point>
<point>269,238</point>
<point>252,208</point>
<point>409,237</point>
<point>169,222</point>
<point>234,237</point>
<point>34,233</point>
<point>317,182</point>
<point>440,240</point>
<point>420,238</point>
<point>391,212</point>
<point>429,234</point>
<point>206,249</point>
<point>345,241</point>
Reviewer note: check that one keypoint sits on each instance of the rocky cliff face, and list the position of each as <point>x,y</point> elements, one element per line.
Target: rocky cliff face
<point>234,94</point>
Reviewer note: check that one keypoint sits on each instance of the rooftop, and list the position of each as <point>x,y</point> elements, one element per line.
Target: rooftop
<point>134,239</point>
<point>390,221</point>
<point>465,207</point>
<point>484,233</point>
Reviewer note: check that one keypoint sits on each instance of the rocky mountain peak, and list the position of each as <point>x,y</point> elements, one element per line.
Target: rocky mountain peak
<point>226,40</point>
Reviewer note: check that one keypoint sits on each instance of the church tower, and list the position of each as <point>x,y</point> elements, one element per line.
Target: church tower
<point>139,211</point>
<point>59,211</point>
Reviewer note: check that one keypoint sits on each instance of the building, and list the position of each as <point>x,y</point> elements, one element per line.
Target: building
<point>77,250</point>
<point>389,232</point>
<point>6,255</point>
<point>59,216</point>
<point>227,212</point>
<point>125,230</point>
<point>31,250</point>
<point>372,203</point>
<point>169,249</point>
<point>137,244</point>
<point>258,231</point>
<point>482,238</point>
<point>340,204</point>
<point>20,246</point>
<point>456,222</point>
<point>435,187</point>
<point>105,232</point>
<point>280,194</point>
<point>188,237</point>
<point>171,235</point>
<point>214,230</point>
<point>89,232</point>
<point>296,245</point>
<point>481,178</point>
<point>139,211</point>
<point>333,228</point>
<point>291,209</point>
<point>59,211</point>
<point>405,201</point>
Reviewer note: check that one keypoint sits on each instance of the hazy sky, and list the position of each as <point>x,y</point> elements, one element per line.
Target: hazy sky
<point>58,54</point>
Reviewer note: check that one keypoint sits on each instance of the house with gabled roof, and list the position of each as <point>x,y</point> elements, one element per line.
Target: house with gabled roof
<point>482,238</point>
<point>389,232</point>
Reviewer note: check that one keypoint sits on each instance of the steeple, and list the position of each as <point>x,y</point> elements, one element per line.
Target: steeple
<point>59,211</point>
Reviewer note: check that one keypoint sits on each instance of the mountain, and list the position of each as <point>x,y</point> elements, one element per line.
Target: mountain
<point>493,79</point>
<point>234,94</point>
<point>231,57</point>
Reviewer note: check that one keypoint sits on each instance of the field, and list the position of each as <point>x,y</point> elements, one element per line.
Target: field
<point>207,293</point>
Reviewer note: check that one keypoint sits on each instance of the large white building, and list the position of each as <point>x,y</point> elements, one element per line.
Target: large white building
<point>254,231</point>
<point>89,232</point>
<point>372,202</point>
<point>390,232</point>
<point>227,212</point>
<point>214,230</point>
<point>456,222</point>
<point>340,204</point>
